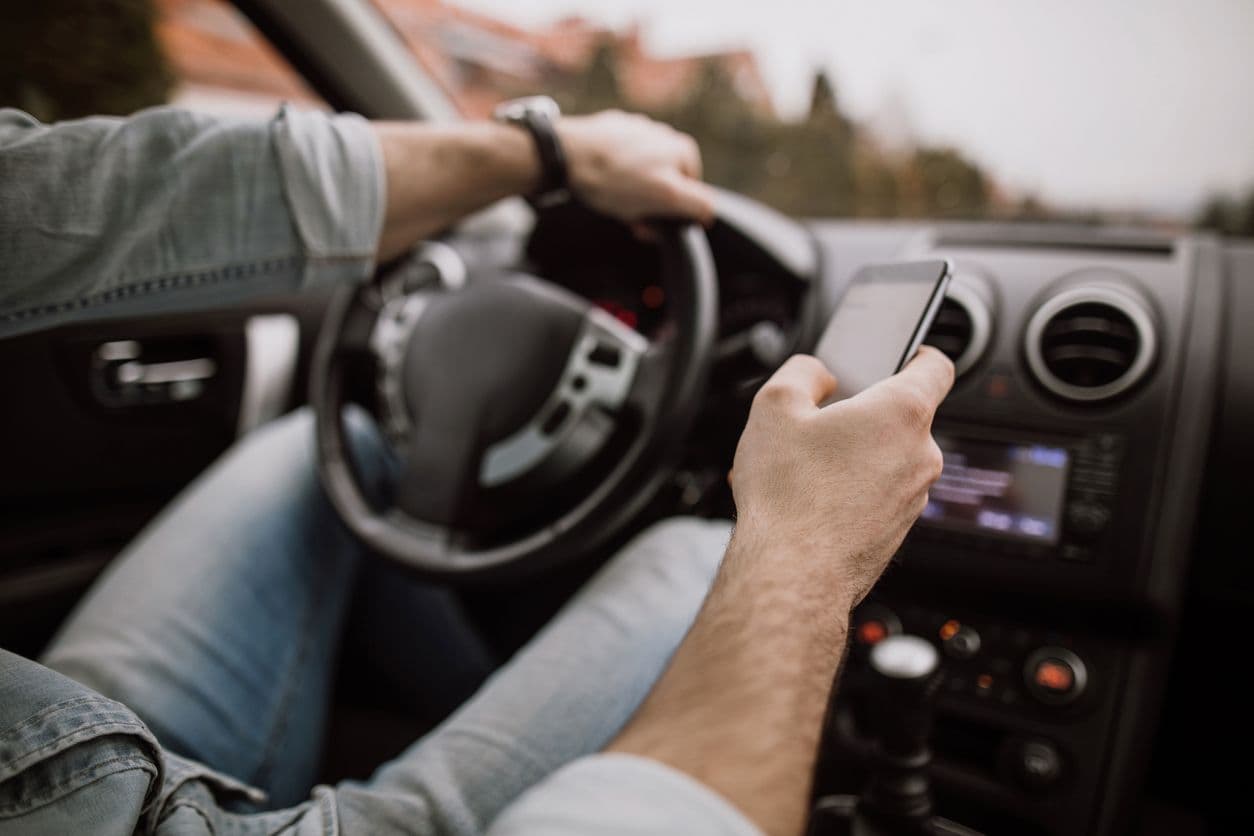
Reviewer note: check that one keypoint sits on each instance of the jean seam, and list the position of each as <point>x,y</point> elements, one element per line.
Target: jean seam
<point>175,281</point>
<point>50,710</point>
<point>266,765</point>
<point>330,819</point>
<point>129,763</point>
<point>83,733</point>
<point>192,805</point>
<point>91,728</point>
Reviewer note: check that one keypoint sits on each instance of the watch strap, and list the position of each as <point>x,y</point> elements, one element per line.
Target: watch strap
<point>554,176</point>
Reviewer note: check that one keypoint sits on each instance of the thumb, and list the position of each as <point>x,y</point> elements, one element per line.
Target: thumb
<point>680,195</point>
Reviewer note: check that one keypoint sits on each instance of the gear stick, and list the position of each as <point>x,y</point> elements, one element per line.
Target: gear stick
<point>897,801</point>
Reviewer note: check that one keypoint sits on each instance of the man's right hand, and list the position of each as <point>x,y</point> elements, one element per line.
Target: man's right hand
<point>839,486</point>
<point>824,498</point>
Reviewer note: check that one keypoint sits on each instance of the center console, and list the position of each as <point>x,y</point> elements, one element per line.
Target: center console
<point>1047,568</point>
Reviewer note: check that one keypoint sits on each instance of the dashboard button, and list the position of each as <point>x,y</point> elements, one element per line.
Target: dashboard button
<point>1037,764</point>
<point>959,641</point>
<point>1086,520</point>
<point>604,354</point>
<point>1055,675</point>
<point>1078,554</point>
<point>872,632</point>
<point>874,623</point>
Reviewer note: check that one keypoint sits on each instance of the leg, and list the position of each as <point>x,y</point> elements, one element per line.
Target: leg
<point>219,625</point>
<point>417,637</point>
<point>564,695</point>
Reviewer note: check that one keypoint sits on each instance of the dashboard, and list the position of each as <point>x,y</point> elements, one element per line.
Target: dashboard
<point>1053,564</point>
<point>1056,566</point>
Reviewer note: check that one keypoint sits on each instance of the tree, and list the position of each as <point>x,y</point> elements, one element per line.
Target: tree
<point>1228,215</point>
<point>818,166</point>
<point>597,87</point>
<point>947,184</point>
<point>70,58</point>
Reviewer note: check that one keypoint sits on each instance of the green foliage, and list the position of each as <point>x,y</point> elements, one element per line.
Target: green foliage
<point>60,59</point>
<point>946,184</point>
<point>1228,215</point>
<point>821,165</point>
<point>596,88</point>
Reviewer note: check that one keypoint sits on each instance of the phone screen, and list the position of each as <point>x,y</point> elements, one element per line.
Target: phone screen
<point>880,322</point>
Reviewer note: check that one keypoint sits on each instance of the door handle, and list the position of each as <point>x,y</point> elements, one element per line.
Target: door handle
<point>136,373</point>
<point>123,379</point>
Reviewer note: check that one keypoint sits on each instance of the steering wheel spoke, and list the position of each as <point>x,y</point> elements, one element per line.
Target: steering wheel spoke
<point>649,383</point>
<point>574,420</point>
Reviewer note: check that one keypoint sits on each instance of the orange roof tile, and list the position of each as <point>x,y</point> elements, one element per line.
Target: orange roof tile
<point>477,59</point>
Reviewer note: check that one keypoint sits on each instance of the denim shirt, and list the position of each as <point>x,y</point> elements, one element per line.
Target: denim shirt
<point>170,211</point>
<point>72,761</point>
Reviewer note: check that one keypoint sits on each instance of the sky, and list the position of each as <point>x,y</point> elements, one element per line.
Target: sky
<point>1112,104</point>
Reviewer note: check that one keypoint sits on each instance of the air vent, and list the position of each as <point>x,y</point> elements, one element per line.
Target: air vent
<point>962,326</point>
<point>1090,344</point>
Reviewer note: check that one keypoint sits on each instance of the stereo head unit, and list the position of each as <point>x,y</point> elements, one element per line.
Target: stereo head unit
<point>1024,494</point>
<point>1007,489</point>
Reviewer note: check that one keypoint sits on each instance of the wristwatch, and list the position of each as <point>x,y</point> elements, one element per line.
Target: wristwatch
<point>538,116</point>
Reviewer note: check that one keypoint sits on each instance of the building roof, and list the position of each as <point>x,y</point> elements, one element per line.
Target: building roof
<point>477,59</point>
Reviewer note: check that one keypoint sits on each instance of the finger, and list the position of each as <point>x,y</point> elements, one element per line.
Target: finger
<point>802,382</point>
<point>685,197</point>
<point>644,232</point>
<point>929,373</point>
<point>690,156</point>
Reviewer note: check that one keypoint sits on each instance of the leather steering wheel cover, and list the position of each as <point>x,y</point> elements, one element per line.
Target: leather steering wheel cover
<point>691,286</point>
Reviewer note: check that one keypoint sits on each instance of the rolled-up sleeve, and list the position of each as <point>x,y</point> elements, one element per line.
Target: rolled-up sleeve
<point>621,795</point>
<point>170,210</point>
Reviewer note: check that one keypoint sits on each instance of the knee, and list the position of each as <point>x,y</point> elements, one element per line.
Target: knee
<point>290,444</point>
<point>689,549</point>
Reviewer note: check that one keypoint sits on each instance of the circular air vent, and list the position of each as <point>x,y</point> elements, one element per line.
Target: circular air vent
<point>962,326</point>
<point>1090,343</point>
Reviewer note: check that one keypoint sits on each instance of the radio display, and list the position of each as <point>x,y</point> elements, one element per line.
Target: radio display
<point>1013,490</point>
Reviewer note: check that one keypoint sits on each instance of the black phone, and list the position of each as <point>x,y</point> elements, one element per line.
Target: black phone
<point>881,321</point>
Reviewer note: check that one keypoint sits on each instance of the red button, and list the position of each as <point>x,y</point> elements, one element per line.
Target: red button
<point>1055,676</point>
<point>871,632</point>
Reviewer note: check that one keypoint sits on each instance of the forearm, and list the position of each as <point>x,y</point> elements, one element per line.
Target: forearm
<point>741,706</point>
<point>438,174</point>
<point>623,165</point>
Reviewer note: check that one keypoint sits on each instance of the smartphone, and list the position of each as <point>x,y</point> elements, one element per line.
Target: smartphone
<point>881,321</point>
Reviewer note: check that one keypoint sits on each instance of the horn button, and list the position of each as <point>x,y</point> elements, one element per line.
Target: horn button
<point>484,360</point>
<point>497,382</point>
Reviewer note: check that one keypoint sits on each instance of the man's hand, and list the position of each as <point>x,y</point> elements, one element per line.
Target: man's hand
<point>824,498</point>
<point>628,166</point>
<point>624,165</point>
<point>846,481</point>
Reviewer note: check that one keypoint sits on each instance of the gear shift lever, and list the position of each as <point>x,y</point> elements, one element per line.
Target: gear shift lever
<point>906,673</point>
<point>897,801</point>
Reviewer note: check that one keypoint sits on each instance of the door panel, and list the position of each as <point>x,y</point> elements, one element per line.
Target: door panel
<point>103,424</point>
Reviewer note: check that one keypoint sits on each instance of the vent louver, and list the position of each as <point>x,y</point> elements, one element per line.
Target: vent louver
<point>1090,344</point>
<point>962,327</point>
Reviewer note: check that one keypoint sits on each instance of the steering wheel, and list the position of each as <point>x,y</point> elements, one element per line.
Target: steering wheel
<point>528,425</point>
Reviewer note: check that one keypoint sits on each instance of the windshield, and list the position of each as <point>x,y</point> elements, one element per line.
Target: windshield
<point>1124,111</point>
<point>1133,112</point>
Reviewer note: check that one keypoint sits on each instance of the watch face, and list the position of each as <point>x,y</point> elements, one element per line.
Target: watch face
<point>516,108</point>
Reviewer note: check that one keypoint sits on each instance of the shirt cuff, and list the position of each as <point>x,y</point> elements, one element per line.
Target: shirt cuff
<point>334,185</point>
<point>621,795</point>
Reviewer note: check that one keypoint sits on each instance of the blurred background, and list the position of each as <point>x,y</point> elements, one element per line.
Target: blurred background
<point>1124,111</point>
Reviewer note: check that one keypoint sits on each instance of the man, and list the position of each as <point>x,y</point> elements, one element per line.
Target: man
<point>188,691</point>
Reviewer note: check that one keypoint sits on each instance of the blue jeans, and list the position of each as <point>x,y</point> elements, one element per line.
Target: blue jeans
<point>219,628</point>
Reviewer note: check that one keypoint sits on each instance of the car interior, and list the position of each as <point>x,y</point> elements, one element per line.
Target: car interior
<point>1108,372</point>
